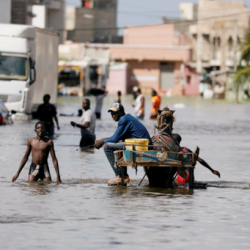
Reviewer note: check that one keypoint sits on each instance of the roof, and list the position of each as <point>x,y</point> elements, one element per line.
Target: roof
<point>125,52</point>
<point>23,31</point>
<point>113,45</point>
<point>17,30</point>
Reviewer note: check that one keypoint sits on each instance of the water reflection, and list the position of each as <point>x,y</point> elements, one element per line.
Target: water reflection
<point>145,191</point>
<point>83,212</point>
<point>41,188</point>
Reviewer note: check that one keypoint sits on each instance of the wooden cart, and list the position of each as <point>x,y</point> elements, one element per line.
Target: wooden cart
<point>150,158</point>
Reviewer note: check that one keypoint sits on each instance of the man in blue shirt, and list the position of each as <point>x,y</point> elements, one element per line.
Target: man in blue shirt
<point>128,127</point>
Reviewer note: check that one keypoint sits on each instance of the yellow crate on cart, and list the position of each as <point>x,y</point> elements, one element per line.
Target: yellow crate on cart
<point>136,141</point>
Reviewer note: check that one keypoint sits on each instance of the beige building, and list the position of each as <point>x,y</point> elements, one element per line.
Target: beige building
<point>214,30</point>
<point>217,35</point>
<point>94,21</point>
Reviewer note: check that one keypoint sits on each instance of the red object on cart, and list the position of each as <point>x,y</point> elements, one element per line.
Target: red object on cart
<point>182,180</point>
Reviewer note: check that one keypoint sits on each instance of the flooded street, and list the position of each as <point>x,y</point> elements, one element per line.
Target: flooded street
<point>85,213</point>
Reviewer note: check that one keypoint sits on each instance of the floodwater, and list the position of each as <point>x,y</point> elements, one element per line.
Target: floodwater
<point>84,213</point>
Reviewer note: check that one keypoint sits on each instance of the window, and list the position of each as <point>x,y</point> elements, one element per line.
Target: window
<point>230,44</point>
<point>13,68</point>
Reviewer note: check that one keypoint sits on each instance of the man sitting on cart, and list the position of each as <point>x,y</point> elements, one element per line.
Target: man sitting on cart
<point>128,127</point>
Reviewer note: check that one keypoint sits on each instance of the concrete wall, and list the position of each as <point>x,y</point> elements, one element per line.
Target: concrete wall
<point>5,11</point>
<point>40,19</point>
<point>142,53</point>
<point>56,19</point>
<point>71,51</point>
<point>214,34</point>
<point>117,81</point>
<point>50,17</point>
<point>91,24</point>
<point>192,81</point>
<point>188,11</point>
<point>146,75</point>
<point>84,20</point>
<point>70,18</point>
<point>161,35</point>
<point>19,11</point>
<point>220,9</point>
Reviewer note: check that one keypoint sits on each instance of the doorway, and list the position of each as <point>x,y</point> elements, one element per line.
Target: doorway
<point>167,75</point>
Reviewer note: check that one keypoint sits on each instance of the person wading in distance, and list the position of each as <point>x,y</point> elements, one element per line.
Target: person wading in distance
<point>118,97</point>
<point>45,113</point>
<point>87,125</point>
<point>156,102</point>
<point>139,105</point>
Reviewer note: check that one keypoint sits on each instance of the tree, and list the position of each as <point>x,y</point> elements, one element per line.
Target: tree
<point>242,75</point>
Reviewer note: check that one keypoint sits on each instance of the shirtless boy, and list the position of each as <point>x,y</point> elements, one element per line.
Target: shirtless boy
<point>40,147</point>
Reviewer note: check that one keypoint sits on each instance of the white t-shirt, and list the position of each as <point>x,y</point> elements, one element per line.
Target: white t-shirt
<point>138,109</point>
<point>88,116</point>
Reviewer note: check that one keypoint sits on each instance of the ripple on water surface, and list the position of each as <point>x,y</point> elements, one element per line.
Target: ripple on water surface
<point>83,212</point>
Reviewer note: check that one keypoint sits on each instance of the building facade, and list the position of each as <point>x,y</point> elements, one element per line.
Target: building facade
<point>147,59</point>
<point>94,21</point>
<point>217,35</point>
<point>214,30</point>
<point>14,11</point>
<point>153,61</point>
<point>48,14</point>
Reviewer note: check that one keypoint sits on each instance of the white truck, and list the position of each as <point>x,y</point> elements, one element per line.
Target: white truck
<point>28,67</point>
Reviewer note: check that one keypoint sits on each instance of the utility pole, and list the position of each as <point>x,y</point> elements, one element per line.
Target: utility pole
<point>235,43</point>
<point>235,59</point>
<point>199,52</point>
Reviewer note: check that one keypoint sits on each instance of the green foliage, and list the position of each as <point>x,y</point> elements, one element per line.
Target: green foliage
<point>245,49</point>
<point>242,75</point>
<point>62,59</point>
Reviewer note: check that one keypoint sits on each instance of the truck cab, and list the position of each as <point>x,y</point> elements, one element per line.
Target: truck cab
<point>21,49</point>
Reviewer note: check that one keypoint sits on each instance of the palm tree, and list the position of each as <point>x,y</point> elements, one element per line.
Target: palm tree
<point>242,75</point>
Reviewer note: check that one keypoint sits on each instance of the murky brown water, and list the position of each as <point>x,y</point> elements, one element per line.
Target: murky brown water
<point>84,213</point>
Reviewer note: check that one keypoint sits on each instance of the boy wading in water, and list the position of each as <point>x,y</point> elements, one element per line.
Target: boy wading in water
<point>40,147</point>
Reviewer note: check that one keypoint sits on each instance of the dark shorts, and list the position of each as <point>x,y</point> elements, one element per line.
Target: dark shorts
<point>50,129</point>
<point>87,140</point>
<point>39,171</point>
<point>98,115</point>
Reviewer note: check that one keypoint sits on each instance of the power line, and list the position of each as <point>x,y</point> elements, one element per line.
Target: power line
<point>208,18</point>
<point>148,9</point>
<point>153,13</point>
<point>174,22</point>
<point>143,12</point>
<point>171,11</point>
<point>140,14</point>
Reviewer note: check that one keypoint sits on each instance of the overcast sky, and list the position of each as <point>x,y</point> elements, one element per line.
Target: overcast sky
<point>143,12</point>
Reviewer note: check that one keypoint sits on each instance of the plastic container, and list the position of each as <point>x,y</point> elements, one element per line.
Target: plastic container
<point>135,141</point>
